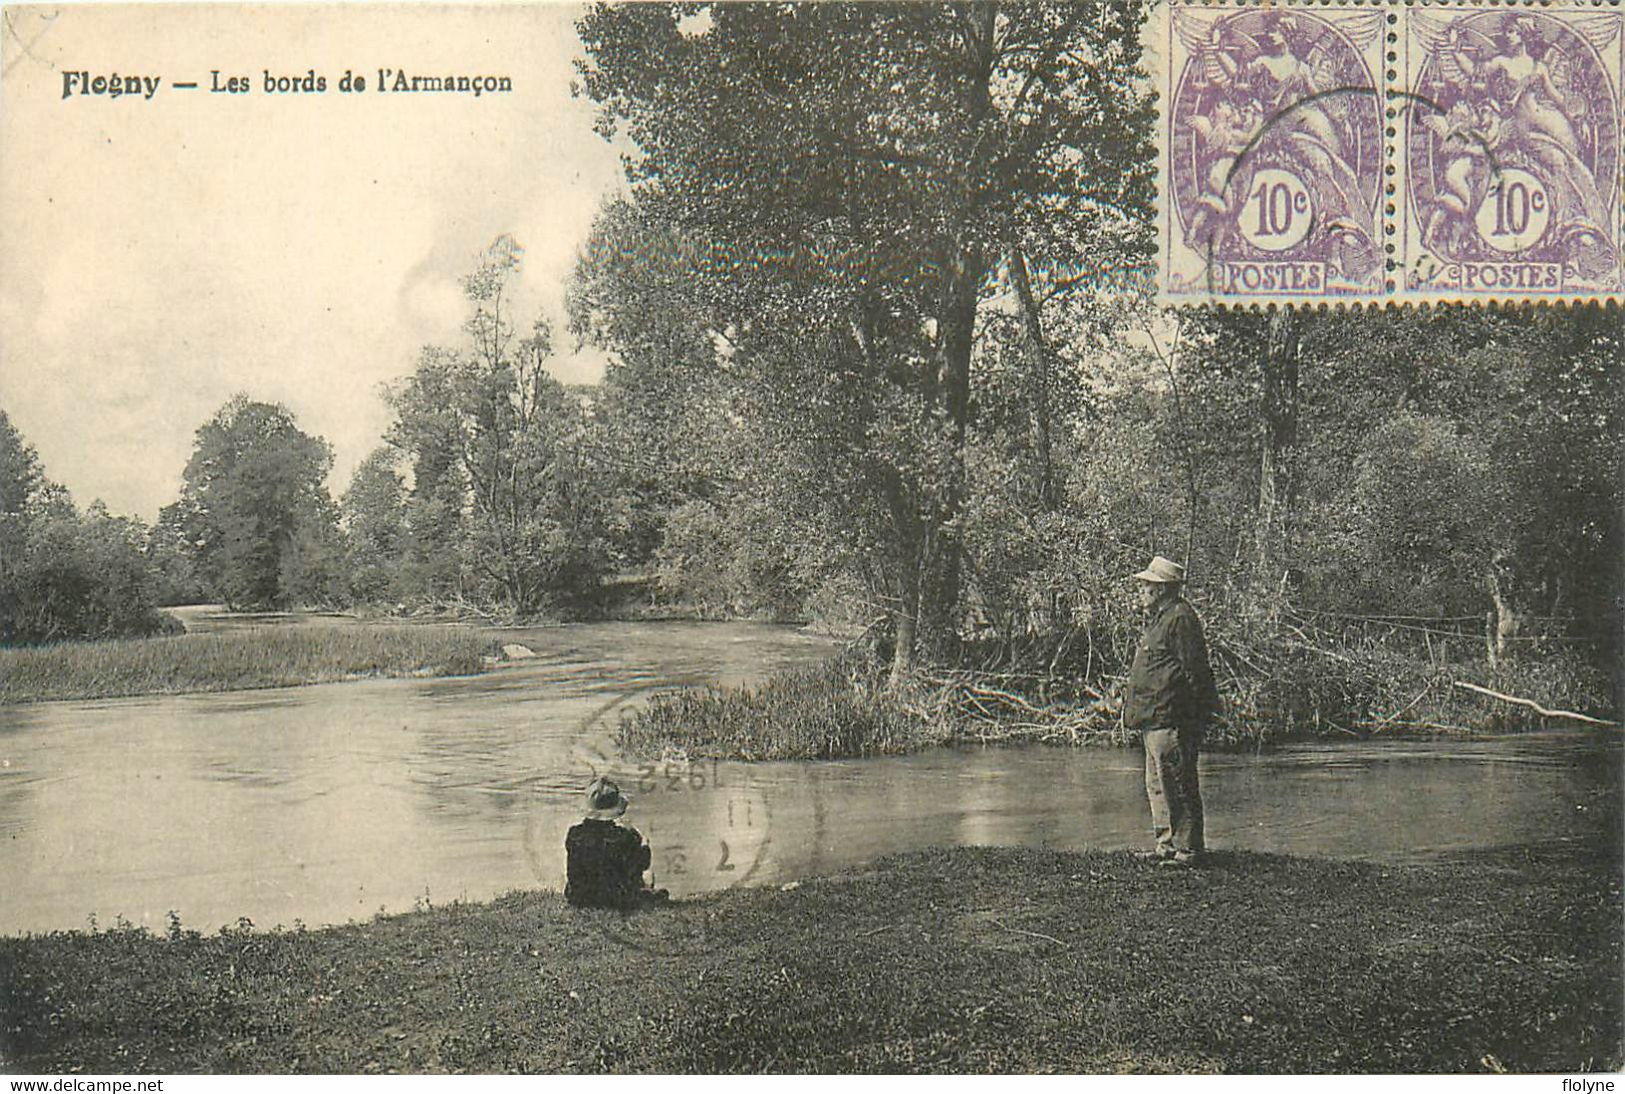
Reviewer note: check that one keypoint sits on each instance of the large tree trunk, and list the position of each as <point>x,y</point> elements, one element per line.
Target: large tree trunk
<point>939,557</point>
<point>907,617</point>
<point>1038,360</point>
<point>965,265</point>
<point>1277,478</point>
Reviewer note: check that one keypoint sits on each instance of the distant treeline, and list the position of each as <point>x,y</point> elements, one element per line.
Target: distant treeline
<point>64,573</point>
<point>1438,489</point>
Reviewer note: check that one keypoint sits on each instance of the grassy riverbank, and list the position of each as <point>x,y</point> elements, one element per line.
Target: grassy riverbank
<point>963,960</point>
<point>263,657</point>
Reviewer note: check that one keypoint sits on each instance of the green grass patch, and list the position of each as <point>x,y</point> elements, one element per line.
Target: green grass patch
<point>967,960</point>
<point>833,709</point>
<point>259,657</point>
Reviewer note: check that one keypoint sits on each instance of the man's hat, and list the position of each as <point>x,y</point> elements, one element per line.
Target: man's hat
<point>1162,572</point>
<point>605,800</point>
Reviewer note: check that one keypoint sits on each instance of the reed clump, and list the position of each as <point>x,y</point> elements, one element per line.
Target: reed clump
<point>261,657</point>
<point>839,708</point>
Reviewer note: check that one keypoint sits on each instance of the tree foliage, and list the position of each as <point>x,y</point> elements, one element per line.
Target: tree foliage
<point>64,575</point>
<point>374,519</point>
<point>851,179</point>
<point>663,426</point>
<point>255,509</point>
<point>505,507</point>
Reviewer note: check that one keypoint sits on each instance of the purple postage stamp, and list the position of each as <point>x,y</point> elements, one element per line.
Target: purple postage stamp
<point>1273,155</point>
<point>1512,151</point>
<point>1388,152</point>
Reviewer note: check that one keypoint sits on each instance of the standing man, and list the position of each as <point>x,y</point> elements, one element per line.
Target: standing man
<point>1171,698</point>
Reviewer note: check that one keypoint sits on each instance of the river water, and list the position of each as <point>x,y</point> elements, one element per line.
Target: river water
<point>330,803</point>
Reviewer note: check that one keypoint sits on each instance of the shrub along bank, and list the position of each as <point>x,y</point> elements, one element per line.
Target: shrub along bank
<point>977,960</point>
<point>1288,683</point>
<point>833,709</point>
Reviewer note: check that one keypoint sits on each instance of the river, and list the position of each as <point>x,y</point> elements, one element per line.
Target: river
<point>330,803</point>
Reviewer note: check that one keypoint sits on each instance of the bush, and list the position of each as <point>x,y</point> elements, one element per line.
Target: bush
<point>836,709</point>
<point>730,560</point>
<point>79,578</point>
<point>1289,678</point>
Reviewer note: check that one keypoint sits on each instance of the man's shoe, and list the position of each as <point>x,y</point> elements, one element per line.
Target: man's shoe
<point>1184,859</point>
<point>1156,854</point>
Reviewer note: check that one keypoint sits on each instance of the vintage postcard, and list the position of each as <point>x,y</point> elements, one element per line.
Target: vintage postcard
<point>810,538</point>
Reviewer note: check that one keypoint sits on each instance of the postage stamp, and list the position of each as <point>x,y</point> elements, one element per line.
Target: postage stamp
<point>1511,157</point>
<point>1388,152</point>
<point>1272,142</point>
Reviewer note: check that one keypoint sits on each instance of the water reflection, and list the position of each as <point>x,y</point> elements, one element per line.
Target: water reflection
<point>326,803</point>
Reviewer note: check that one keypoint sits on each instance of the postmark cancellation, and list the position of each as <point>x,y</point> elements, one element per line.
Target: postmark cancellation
<point>1389,152</point>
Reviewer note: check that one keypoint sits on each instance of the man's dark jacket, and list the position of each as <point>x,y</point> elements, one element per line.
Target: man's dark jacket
<point>1170,685</point>
<point>604,864</point>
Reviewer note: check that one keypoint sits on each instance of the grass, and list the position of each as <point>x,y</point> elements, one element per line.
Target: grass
<point>967,960</point>
<point>829,710</point>
<point>257,658</point>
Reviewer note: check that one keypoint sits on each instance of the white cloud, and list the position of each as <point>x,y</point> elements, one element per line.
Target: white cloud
<point>158,256</point>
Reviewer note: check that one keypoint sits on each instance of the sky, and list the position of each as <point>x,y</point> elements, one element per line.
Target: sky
<point>159,255</point>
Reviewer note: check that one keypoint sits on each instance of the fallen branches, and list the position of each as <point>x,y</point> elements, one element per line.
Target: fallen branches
<point>1536,707</point>
<point>1393,719</point>
<point>1378,727</point>
<point>970,700</point>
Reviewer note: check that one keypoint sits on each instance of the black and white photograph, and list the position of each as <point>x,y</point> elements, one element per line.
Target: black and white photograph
<point>965,538</point>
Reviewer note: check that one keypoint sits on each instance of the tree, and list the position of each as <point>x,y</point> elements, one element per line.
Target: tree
<point>374,517</point>
<point>20,483</point>
<point>1549,405</point>
<point>1448,462</point>
<point>63,575</point>
<point>854,177</point>
<point>313,569</point>
<point>661,428</point>
<point>254,505</point>
<point>499,455</point>
<point>1418,496</point>
<point>171,557</point>
<point>20,477</point>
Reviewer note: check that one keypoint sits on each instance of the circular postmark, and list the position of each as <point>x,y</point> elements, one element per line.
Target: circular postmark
<point>707,823</point>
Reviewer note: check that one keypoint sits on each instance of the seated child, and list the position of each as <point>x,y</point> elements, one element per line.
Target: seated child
<point>604,860</point>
